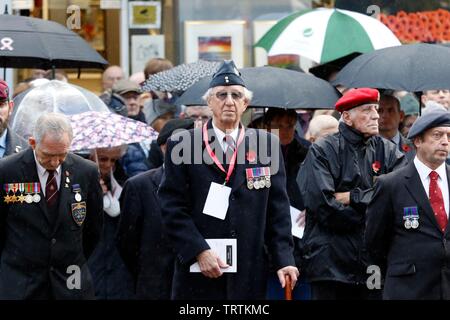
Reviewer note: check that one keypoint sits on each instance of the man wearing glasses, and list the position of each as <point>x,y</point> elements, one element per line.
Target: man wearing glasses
<point>10,142</point>
<point>224,202</point>
<point>407,220</point>
<point>336,182</point>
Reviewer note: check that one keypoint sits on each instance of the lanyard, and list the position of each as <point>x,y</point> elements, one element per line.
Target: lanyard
<point>214,157</point>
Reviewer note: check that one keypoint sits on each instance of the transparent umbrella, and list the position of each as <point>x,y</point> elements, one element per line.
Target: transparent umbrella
<point>53,96</point>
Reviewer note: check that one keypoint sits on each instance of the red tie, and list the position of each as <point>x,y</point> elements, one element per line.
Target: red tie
<point>51,189</point>
<point>437,201</point>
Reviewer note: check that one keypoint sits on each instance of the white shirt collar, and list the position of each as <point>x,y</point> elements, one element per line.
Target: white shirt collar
<point>424,171</point>
<point>221,135</point>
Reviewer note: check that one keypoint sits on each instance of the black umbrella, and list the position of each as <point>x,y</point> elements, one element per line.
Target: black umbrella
<point>412,67</point>
<point>35,43</point>
<point>274,87</point>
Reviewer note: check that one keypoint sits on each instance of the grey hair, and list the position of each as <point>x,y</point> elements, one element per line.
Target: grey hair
<point>320,123</point>
<point>55,124</point>
<point>247,94</point>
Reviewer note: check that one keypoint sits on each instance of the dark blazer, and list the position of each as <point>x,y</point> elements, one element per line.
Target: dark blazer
<point>140,238</point>
<point>417,260</point>
<point>37,248</point>
<point>14,143</point>
<point>256,218</point>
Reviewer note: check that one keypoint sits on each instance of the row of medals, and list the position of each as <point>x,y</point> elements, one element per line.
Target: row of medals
<point>259,183</point>
<point>29,198</point>
<point>412,223</point>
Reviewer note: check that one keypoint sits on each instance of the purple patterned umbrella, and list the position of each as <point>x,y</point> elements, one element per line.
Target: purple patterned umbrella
<point>93,130</point>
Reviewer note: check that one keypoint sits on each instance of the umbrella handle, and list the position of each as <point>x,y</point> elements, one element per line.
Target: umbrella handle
<point>96,161</point>
<point>287,287</point>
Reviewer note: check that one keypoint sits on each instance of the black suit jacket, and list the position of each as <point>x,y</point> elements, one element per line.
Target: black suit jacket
<point>258,219</point>
<point>36,248</point>
<point>140,238</point>
<point>14,143</point>
<point>417,260</point>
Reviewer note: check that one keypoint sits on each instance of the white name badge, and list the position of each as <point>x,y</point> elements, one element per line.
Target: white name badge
<point>216,204</point>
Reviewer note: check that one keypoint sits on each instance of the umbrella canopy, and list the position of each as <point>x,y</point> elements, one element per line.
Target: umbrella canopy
<point>35,43</point>
<point>93,130</point>
<point>180,77</point>
<point>52,96</point>
<point>323,35</point>
<point>274,87</point>
<point>412,67</point>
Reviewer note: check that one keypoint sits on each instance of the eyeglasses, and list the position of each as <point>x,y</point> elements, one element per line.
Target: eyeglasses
<point>222,95</point>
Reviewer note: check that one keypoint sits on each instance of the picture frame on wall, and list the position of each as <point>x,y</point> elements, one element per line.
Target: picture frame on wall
<point>215,40</point>
<point>260,27</point>
<point>144,14</point>
<point>144,48</point>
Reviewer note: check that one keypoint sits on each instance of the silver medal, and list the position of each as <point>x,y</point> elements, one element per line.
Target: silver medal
<point>36,198</point>
<point>408,224</point>
<point>29,198</point>
<point>77,197</point>
<point>250,184</point>
<point>415,224</point>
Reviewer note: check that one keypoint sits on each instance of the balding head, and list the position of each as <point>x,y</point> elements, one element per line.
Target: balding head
<point>111,75</point>
<point>321,126</point>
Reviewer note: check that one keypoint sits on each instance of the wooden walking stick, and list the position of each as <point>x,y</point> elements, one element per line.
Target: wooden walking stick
<point>287,288</point>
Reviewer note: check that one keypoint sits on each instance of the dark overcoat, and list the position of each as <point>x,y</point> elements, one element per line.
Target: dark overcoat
<point>141,240</point>
<point>257,218</point>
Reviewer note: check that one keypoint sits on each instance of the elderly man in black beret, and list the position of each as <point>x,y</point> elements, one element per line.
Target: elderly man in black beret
<point>407,219</point>
<point>224,201</point>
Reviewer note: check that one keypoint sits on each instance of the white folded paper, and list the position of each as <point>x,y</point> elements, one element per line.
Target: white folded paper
<point>296,230</point>
<point>226,249</point>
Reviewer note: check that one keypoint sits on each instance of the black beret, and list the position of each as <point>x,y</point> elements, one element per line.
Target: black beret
<point>428,121</point>
<point>171,126</point>
<point>227,75</point>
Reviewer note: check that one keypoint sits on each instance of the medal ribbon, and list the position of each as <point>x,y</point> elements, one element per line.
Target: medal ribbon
<point>214,157</point>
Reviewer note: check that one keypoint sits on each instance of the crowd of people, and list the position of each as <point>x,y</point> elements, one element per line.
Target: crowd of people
<point>207,210</point>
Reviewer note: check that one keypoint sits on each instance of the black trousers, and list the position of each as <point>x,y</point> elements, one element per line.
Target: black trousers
<point>333,290</point>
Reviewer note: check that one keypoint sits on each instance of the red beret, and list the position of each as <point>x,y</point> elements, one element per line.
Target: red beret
<point>356,97</point>
<point>4,90</point>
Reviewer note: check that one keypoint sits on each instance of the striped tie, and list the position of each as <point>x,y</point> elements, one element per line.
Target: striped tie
<point>230,147</point>
<point>51,189</point>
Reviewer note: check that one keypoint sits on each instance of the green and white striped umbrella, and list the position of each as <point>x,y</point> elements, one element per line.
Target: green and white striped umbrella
<point>324,35</point>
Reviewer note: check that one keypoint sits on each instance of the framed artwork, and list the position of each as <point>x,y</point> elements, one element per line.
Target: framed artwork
<point>260,27</point>
<point>144,14</point>
<point>214,41</point>
<point>144,48</point>
<point>93,27</point>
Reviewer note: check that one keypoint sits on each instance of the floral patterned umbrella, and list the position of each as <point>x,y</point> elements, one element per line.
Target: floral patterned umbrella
<point>181,77</point>
<point>104,130</point>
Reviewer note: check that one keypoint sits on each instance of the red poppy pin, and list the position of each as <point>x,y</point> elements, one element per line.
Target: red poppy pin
<point>406,148</point>
<point>251,156</point>
<point>376,166</point>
